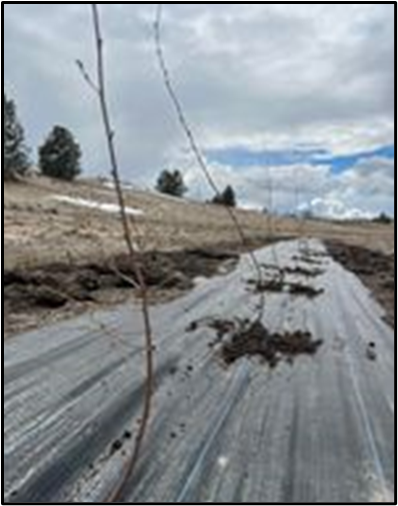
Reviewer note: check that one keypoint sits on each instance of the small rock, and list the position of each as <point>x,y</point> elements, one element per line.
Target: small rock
<point>116,445</point>
<point>371,351</point>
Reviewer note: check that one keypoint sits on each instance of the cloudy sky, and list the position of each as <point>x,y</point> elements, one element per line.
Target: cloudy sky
<point>293,104</point>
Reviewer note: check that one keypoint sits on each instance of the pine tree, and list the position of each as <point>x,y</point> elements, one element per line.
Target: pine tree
<point>59,156</point>
<point>171,183</point>
<point>226,198</point>
<point>15,152</point>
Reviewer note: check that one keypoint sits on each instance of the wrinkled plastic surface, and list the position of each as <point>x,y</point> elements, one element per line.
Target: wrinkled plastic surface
<point>320,430</point>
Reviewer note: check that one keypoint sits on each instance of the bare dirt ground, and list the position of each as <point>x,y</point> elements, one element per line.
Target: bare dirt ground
<point>61,259</point>
<point>40,295</point>
<point>376,270</point>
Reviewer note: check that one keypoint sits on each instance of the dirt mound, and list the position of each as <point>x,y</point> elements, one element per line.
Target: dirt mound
<point>305,290</point>
<point>374,268</point>
<point>302,271</point>
<point>242,338</point>
<point>279,284</point>
<point>57,286</point>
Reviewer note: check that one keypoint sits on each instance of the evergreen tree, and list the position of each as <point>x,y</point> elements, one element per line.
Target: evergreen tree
<point>171,183</point>
<point>226,198</point>
<point>59,156</point>
<point>15,152</point>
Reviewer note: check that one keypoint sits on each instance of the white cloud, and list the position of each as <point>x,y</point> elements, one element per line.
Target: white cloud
<point>265,76</point>
<point>363,191</point>
<point>335,209</point>
<point>277,188</point>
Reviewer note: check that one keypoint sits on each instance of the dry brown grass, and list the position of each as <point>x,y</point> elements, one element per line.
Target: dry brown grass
<point>39,230</point>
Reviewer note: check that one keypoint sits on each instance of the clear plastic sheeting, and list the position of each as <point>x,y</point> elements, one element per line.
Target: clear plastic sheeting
<point>318,430</point>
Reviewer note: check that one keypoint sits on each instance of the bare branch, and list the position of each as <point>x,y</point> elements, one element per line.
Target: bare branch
<point>194,145</point>
<point>109,134</point>
<point>86,76</point>
<point>127,279</point>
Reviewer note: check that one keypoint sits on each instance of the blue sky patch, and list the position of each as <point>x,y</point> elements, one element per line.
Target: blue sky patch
<point>342,163</point>
<point>240,157</point>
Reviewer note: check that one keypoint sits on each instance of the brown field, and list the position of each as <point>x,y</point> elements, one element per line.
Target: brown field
<point>40,232</point>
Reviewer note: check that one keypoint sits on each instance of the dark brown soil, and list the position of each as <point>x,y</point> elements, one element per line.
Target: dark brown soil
<point>276,284</point>
<point>374,268</point>
<point>242,338</point>
<point>305,290</point>
<point>302,271</point>
<point>35,296</point>
<point>280,285</point>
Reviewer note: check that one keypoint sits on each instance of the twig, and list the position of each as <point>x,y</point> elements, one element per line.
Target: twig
<point>86,76</point>
<point>127,279</point>
<point>100,90</point>
<point>195,147</point>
